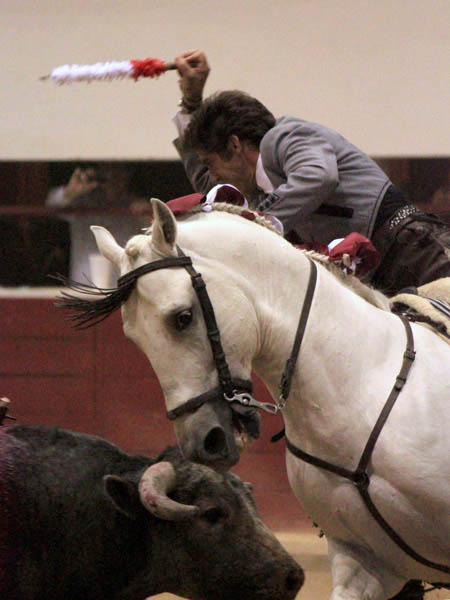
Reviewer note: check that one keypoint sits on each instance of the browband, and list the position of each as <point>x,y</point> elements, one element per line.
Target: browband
<point>90,312</point>
<point>164,263</point>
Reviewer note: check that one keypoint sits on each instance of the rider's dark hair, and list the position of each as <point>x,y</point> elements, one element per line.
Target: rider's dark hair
<point>224,114</point>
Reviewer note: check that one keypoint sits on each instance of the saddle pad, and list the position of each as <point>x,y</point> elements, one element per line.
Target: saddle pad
<point>429,303</point>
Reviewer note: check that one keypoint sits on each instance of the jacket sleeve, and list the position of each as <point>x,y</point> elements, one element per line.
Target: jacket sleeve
<point>196,171</point>
<point>307,165</point>
<point>55,197</point>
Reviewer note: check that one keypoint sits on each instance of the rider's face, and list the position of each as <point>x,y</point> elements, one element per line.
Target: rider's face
<point>236,166</point>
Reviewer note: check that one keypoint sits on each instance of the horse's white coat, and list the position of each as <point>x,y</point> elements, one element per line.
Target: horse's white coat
<point>351,354</point>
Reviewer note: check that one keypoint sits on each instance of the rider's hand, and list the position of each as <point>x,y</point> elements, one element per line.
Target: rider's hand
<point>81,183</point>
<point>193,69</point>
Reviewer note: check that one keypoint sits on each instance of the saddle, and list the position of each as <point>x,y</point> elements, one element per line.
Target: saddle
<point>428,304</point>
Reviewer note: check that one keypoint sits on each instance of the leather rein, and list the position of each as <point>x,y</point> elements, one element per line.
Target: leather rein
<point>360,476</point>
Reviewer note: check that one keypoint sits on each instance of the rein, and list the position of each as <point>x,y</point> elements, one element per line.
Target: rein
<point>360,476</point>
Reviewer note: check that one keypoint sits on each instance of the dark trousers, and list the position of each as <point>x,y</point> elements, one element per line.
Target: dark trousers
<point>414,250</point>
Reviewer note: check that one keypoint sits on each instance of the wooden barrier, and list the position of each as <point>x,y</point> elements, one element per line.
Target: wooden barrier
<point>99,382</point>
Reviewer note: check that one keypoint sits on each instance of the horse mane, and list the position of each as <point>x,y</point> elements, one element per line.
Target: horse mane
<point>374,297</point>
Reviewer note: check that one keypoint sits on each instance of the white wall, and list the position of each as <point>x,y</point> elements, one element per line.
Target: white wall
<point>375,70</point>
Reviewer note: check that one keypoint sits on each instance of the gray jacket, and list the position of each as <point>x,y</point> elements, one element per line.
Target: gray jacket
<point>324,187</point>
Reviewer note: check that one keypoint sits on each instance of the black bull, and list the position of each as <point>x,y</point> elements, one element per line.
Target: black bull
<point>81,519</point>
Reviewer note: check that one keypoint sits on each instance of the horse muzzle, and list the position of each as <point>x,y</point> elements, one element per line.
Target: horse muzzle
<point>214,433</point>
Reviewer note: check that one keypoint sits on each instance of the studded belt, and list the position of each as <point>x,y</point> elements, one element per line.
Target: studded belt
<point>401,214</point>
<point>384,237</point>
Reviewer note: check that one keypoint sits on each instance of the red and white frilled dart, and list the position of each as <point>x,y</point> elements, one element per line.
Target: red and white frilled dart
<point>107,71</point>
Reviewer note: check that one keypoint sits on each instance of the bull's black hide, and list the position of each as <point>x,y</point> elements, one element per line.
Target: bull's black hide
<point>73,526</point>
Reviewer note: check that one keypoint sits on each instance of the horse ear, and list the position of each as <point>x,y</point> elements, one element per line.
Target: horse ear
<point>164,228</point>
<point>123,494</point>
<point>107,245</point>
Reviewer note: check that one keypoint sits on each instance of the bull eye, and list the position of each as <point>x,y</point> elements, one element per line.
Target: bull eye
<point>183,319</point>
<point>214,515</point>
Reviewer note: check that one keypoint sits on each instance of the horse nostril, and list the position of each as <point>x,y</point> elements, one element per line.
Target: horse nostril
<point>215,442</point>
<point>294,580</point>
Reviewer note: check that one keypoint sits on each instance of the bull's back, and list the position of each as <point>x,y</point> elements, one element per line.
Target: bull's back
<point>51,503</point>
<point>8,524</point>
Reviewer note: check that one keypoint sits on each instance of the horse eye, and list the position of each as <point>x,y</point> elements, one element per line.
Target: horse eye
<point>214,515</point>
<point>183,319</point>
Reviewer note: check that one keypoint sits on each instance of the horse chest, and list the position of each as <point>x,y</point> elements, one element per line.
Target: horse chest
<point>335,505</point>
<point>317,493</point>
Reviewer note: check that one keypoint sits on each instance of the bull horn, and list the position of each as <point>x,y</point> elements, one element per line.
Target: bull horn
<point>156,482</point>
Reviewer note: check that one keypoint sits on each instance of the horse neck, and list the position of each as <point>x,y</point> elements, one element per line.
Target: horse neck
<point>273,275</point>
<point>344,336</point>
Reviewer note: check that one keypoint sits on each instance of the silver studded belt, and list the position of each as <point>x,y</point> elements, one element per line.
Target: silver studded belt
<point>401,214</point>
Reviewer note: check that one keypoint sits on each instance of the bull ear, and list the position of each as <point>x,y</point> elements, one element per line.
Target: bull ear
<point>164,229</point>
<point>107,245</point>
<point>123,494</point>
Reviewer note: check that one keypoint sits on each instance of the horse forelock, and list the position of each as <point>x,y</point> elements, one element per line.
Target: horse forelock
<point>137,245</point>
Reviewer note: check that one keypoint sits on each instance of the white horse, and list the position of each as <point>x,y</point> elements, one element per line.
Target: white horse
<point>349,359</point>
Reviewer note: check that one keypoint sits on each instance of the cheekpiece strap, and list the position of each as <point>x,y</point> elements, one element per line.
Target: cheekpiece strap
<point>225,379</point>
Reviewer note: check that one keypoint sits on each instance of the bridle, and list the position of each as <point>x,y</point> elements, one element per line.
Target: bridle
<point>232,389</point>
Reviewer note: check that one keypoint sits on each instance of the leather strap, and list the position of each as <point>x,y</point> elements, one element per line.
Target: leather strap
<point>164,263</point>
<point>408,358</point>
<point>194,403</point>
<point>225,379</point>
<point>360,476</point>
<point>286,378</point>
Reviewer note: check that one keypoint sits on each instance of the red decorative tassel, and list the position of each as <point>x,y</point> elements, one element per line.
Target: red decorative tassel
<point>148,67</point>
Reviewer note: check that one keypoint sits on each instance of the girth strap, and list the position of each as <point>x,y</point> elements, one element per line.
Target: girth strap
<point>360,476</point>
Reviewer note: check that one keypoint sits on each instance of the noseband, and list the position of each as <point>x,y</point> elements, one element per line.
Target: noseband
<point>233,390</point>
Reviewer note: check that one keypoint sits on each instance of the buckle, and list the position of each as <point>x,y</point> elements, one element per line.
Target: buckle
<point>247,400</point>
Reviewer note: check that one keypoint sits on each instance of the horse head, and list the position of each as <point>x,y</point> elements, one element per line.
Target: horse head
<point>192,358</point>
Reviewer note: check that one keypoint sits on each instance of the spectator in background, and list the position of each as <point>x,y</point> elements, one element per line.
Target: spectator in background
<point>92,187</point>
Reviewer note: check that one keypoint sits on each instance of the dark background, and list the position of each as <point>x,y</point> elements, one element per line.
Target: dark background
<point>32,246</point>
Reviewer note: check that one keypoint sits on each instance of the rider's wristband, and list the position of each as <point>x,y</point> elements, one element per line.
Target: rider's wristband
<point>187,106</point>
